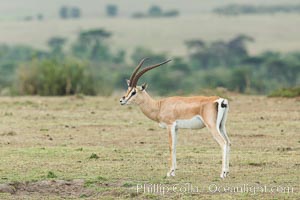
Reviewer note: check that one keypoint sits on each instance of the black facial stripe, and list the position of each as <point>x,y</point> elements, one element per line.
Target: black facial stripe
<point>132,94</point>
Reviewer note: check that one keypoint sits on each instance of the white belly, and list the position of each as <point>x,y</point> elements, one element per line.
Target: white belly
<point>193,123</point>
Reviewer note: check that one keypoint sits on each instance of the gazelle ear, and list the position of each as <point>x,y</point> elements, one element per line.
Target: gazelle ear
<point>144,86</point>
<point>128,82</point>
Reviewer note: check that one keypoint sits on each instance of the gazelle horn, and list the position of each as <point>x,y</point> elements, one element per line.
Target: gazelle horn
<point>136,78</point>
<point>135,71</point>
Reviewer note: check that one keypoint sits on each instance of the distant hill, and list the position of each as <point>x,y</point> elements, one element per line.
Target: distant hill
<point>16,9</point>
<point>196,21</point>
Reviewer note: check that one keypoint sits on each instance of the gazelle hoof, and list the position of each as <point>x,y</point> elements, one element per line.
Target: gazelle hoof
<point>224,174</point>
<point>171,173</point>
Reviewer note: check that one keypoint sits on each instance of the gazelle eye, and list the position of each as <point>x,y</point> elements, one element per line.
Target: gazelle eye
<point>133,93</point>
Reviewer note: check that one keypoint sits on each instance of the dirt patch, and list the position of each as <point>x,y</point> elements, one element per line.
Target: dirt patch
<point>9,133</point>
<point>74,188</point>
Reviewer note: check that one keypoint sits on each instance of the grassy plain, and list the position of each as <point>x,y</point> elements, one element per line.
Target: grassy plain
<point>91,147</point>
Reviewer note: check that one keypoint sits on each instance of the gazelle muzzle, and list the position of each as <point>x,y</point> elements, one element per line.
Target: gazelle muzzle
<point>124,100</point>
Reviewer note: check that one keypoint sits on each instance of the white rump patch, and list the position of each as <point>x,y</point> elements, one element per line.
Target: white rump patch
<point>194,123</point>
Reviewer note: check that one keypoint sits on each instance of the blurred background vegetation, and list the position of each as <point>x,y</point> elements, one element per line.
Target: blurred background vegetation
<point>96,59</point>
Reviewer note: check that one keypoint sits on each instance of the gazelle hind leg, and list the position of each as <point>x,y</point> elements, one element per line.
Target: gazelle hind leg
<point>227,147</point>
<point>222,110</point>
<point>218,136</point>
<point>214,123</point>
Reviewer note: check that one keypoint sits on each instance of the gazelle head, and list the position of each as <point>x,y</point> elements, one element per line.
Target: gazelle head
<point>133,91</point>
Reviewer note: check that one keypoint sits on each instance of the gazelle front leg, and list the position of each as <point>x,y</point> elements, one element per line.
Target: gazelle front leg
<point>172,131</point>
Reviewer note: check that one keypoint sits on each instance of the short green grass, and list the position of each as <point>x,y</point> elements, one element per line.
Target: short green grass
<point>115,149</point>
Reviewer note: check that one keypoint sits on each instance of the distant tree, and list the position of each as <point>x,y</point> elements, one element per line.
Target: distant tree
<point>218,53</point>
<point>277,68</point>
<point>240,80</point>
<point>64,12</point>
<point>75,12</point>
<point>198,53</point>
<point>111,10</point>
<point>91,45</point>
<point>238,45</point>
<point>40,16</point>
<point>155,11</point>
<point>56,46</point>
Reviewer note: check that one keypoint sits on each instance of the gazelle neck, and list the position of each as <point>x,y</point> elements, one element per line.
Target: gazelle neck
<point>148,105</point>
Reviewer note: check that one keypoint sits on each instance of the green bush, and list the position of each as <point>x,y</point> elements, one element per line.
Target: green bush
<point>286,92</point>
<point>98,70</point>
<point>50,77</point>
